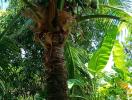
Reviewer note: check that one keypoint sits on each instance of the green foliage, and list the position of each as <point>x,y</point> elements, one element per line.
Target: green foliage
<point>72,82</point>
<point>76,57</point>
<point>114,86</point>
<point>101,56</point>
<point>2,88</point>
<point>21,63</point>
<point>77,72</point>
<point>119,57</point>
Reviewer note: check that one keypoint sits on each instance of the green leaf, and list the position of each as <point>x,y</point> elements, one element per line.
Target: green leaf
<point>79,97</point>
<point>119,57</point>
<point>10,25</point>
<point>2,87</point>
<point>76,57</point>
<point>72,82</point>
<point>60,4</point>
<point>101,56</point>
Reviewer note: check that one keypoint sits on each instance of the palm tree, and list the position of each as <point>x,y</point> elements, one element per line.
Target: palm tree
<point>52,29</point>
<point>52,33</point>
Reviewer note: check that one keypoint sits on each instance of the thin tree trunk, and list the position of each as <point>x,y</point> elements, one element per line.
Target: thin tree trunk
<point>56,73</point>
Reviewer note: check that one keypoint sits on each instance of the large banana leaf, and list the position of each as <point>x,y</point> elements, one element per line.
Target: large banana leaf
<point>101,56</point>
<point>119,57</point>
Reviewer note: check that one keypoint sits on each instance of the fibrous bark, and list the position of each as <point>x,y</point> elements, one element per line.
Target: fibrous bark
<point>56,73</point>
<point>51,30</point>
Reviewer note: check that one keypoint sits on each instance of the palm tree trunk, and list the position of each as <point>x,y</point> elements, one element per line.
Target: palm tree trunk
<point>56,73</point>
<point>52,28</point>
